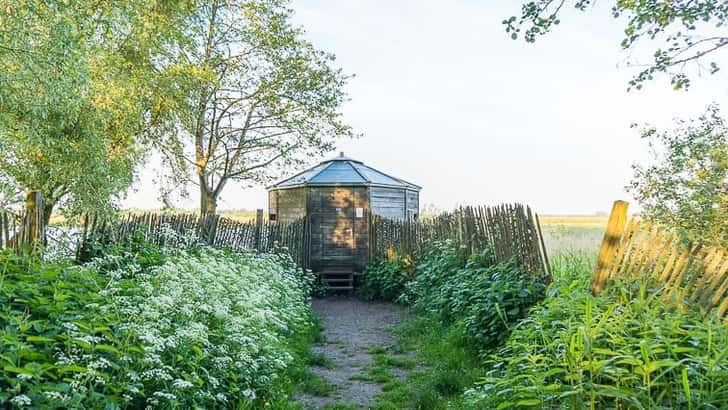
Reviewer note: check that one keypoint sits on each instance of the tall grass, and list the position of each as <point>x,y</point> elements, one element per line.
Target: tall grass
<point>622,349</point>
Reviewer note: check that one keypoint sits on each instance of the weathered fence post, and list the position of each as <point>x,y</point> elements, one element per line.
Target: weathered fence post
<point>258,228</point>
<point>33,229</point>
<point>612,236</point>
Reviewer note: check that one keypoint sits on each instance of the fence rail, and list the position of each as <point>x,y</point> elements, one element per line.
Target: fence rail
<point>512,230</point>
<point>688,274</point>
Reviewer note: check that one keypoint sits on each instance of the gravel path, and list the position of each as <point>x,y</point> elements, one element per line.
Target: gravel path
<point>351,328</point>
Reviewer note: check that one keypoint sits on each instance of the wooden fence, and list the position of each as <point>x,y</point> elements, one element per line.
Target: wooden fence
<point>512,230</point>
<point>688,274</point>
<point>176,229</point>
<point>23,230</point>
<point>11,224</point>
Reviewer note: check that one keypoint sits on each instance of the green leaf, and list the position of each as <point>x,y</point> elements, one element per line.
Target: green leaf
<point>528,403</point>
<point>39,339</point>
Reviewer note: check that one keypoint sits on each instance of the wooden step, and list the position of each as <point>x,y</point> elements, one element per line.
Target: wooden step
<point>337,280</point>
<point>337,272</point>
<point>341,287</point>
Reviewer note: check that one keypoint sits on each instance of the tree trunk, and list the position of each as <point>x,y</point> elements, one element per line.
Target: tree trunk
<point>48,211</point>
<point>208,199</point>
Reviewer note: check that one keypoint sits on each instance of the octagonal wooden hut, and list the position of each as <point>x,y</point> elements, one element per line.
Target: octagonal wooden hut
<point>336,197</point>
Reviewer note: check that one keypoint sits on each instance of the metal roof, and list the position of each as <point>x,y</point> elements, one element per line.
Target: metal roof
<point>342,170</point>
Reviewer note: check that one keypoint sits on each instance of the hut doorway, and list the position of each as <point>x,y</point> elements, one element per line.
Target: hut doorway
<point>334,221</point>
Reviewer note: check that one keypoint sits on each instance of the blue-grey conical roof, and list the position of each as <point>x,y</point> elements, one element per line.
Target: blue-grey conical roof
<point>343,170</point>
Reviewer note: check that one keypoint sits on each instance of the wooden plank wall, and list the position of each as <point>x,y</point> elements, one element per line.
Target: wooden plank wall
<point>288,204</point>
<point>685,274</point>
<point>388,202</point>
<point>511,230</point>
<point>181,229</point>
<point>329,245</point>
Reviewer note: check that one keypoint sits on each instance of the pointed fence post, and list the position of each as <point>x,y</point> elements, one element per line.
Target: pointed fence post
<point>258,228</point>
<point>612,237</point>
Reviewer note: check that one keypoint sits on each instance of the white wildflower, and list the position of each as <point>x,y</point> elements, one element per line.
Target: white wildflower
<point>181,384</point>
<point>164,395</point>
<point>54,395</point>
<point>21,400</point>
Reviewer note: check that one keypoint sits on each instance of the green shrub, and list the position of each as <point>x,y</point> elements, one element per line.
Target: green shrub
<point>134,254</point>
<point>386,278</point>
<point>434,266</point>
<point>487,297</point>
<point>205,329</point>
<point>59,348</point>
<point>621,349</point>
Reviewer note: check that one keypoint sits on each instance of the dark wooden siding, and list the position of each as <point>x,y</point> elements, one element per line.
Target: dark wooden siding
<point>288,204</point>
<point>339,236</point>
<point>388,202</point>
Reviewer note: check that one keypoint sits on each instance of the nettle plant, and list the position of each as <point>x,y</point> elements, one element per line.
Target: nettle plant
<point>386,278</point>
<point>480,296</point>
<point>484,297</point>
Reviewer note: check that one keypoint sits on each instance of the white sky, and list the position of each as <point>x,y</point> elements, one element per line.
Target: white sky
<point>445,99</point>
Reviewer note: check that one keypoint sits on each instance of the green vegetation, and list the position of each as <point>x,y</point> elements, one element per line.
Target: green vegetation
<point>462,307</point>
<point>481,295</point>
<point>221,90</point>
<point>484,296</point>
<point>686,27</point>
<point>439,363</point>
<point>386,279</point>
<point>83,87</point>
<point>685,187</point>
<point>622,349</point>
<point>625,348</point>
<point>153,327</point>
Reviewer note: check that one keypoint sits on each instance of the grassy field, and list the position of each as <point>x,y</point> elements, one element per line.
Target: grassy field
<point>577,233</point>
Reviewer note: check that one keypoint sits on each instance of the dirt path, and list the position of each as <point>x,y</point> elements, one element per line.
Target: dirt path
<point>351,328</point>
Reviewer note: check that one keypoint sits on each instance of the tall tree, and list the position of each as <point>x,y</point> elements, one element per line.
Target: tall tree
<point>686,185</point>
<point>82,82</point>
<point>691,31</point>
<point>261,97</point>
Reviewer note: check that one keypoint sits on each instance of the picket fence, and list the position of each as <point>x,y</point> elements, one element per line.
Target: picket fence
<point>175,230</point>
<point>22,230</point>
<point>689,275</point>
<point>511,230</point>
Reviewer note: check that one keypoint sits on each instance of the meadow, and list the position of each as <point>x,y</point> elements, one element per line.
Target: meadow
<point>575,233</point>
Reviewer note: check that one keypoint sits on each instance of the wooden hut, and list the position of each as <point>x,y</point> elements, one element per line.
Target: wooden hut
<point>336,197</point>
